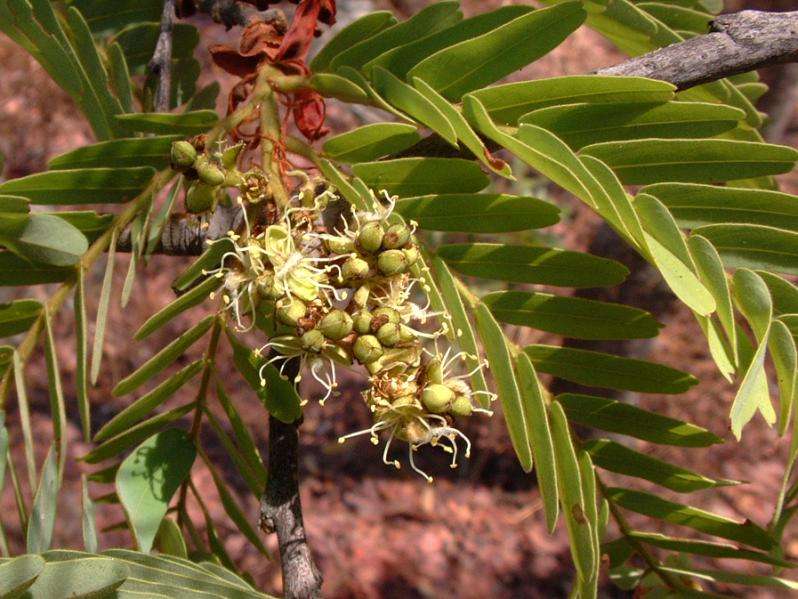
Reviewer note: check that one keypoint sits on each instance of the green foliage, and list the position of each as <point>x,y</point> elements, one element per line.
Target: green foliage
<point>726,251</point>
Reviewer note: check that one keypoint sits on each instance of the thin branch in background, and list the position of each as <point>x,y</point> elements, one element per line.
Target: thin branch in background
<point>780,103</point>
<point>160,65</point>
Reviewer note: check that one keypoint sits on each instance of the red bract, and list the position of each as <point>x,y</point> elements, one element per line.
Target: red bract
<point>308,109</point>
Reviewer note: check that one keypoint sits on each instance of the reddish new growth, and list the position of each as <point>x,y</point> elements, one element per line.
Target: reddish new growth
<point>269,43</point>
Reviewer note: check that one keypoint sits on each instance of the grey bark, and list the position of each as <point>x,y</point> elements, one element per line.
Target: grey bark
<point>160,65</point>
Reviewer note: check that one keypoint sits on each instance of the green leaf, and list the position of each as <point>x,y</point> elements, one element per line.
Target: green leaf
<point>684,515</point>
<point>718,576</point>
<point>138,433</point>
<point>617,458</point>
<point>678,17</point>
<point>187,123</point>
<point>148,402</point>
<point>754,246</point>
<point>47,239</point>
<point>129,152</point>
<point>138,40</point>
<point>540,437</point>
<point>23,407</point>
<point>16,271</point>
<point>120,77</point>
<point>583,124</point>
<point>706,548</point>
<point>617,417</point>
<point>478,213</point>
<point>89,521</point>
<point>571,316</point>
<point>357,31</point>
<point>671,256</point>
<point>413,103</point>
<point>211,258</point>
<point>754,301</point>
<point>85,578</point>
<point>188,300</point>
<point>56,393</point>
<point>477,62</point>
<point>81,186</point>
<point>249,467</point>
<point>14,204</point>
<point>783,293</point>
<point>569,481</point>
<point>403,58</point>
<point>45,505</point>
<point>103,15</point>
<point>595,369</point>
<point>373,98</point>
<point>588,585</point>
<point>644,161</point>
<point>421,176</point>
<point>204,99</point>
<point>102,312</point>
<point>498,357</point>
<point>433,18</point>
<point>278,395</point>
<point>81,355</point>
<point>164,358</point>
<point>509,102</point>
<point>149,477</point>
<point>88,222</point>
<point>530,264</point>
<point>169,539</point>
<point>19,573</point>
<point>18,316</point>
<point>694,205</point>
<point>782,347</point>
<point>371,142</point>
<point>243,437</point>
<point>465,133</point>
<point>330,85</point>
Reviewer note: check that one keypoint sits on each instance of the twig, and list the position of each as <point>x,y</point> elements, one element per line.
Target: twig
<point>737,43</point>
<point>281,509</point>
<point>160,64</point>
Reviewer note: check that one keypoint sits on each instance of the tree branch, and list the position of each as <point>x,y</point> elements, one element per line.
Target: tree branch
<point>281,509</point>
<point>737,43</point>
<point>160,64</point>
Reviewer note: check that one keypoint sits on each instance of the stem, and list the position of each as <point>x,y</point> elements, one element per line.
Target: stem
<point>281,509</point>
<point>160,64</point>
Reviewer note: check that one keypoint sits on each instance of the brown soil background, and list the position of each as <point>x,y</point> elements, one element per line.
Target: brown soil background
<point>479,530</point>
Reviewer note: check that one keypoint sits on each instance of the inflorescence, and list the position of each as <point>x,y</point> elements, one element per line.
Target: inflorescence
<point>338,295</point>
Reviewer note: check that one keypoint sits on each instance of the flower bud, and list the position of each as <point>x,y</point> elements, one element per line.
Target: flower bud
<point>367,349</point>
<point>396,236</point>
<point>313,340</point>
<point>392,262</point>
<point>199,198</point>
<point>389,334</point>
<point>230,155</point>
<point>391,314</point>
<point>291,311</point>
<point>267,287</point>
<point>361,322</point>
<point>336,325</point>
<point>412,254</point>
<point>406,334</point>
<point>361,296</point>
<point>208,173</point>
<point>183,155</point>
<point>435,371</point>
<point>461,406</point>
<point>437,398</point>
<point>354,268</point>
<point>370,237</point>
<point>339,245</point>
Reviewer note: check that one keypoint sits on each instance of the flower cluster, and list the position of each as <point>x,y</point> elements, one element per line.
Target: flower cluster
<point>343,295</point>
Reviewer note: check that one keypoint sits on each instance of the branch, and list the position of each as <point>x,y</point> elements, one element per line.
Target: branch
<point>160,64</point>
<point>737,43</point>
<point>281,509</point>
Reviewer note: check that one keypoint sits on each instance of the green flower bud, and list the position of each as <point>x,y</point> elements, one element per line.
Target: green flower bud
<point>395,237</point>
<point>267,287</point>
<point>435,371</point>
<point>208,173</point>
<point>183,155</point>
<point>230,155</point>
<point>362,321</point>
<point>437,398</point>
<point>361,296</point>
<point>367,349</point>
<point>406,334</point>
<point>199,198</point>
<point>313,340</point>
<point>461,406</point>
<point>336,325</point>
<point>291,311</point>
<point>233,178</point>
<point>389,334</point>
<point>340,245</point>
<point>390,313</point>
<point>370,237</point>
<point>412,254</point>
<point>354,268</point>
<point>392,262</point>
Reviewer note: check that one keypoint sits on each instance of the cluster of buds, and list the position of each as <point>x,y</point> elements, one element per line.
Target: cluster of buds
<point>209,172</point>
<point>342,295</point>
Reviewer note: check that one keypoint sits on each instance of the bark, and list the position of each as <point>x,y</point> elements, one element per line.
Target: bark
<point>160,65</point>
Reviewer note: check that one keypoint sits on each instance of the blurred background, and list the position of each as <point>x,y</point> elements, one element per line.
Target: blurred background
<point>479,530</point>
